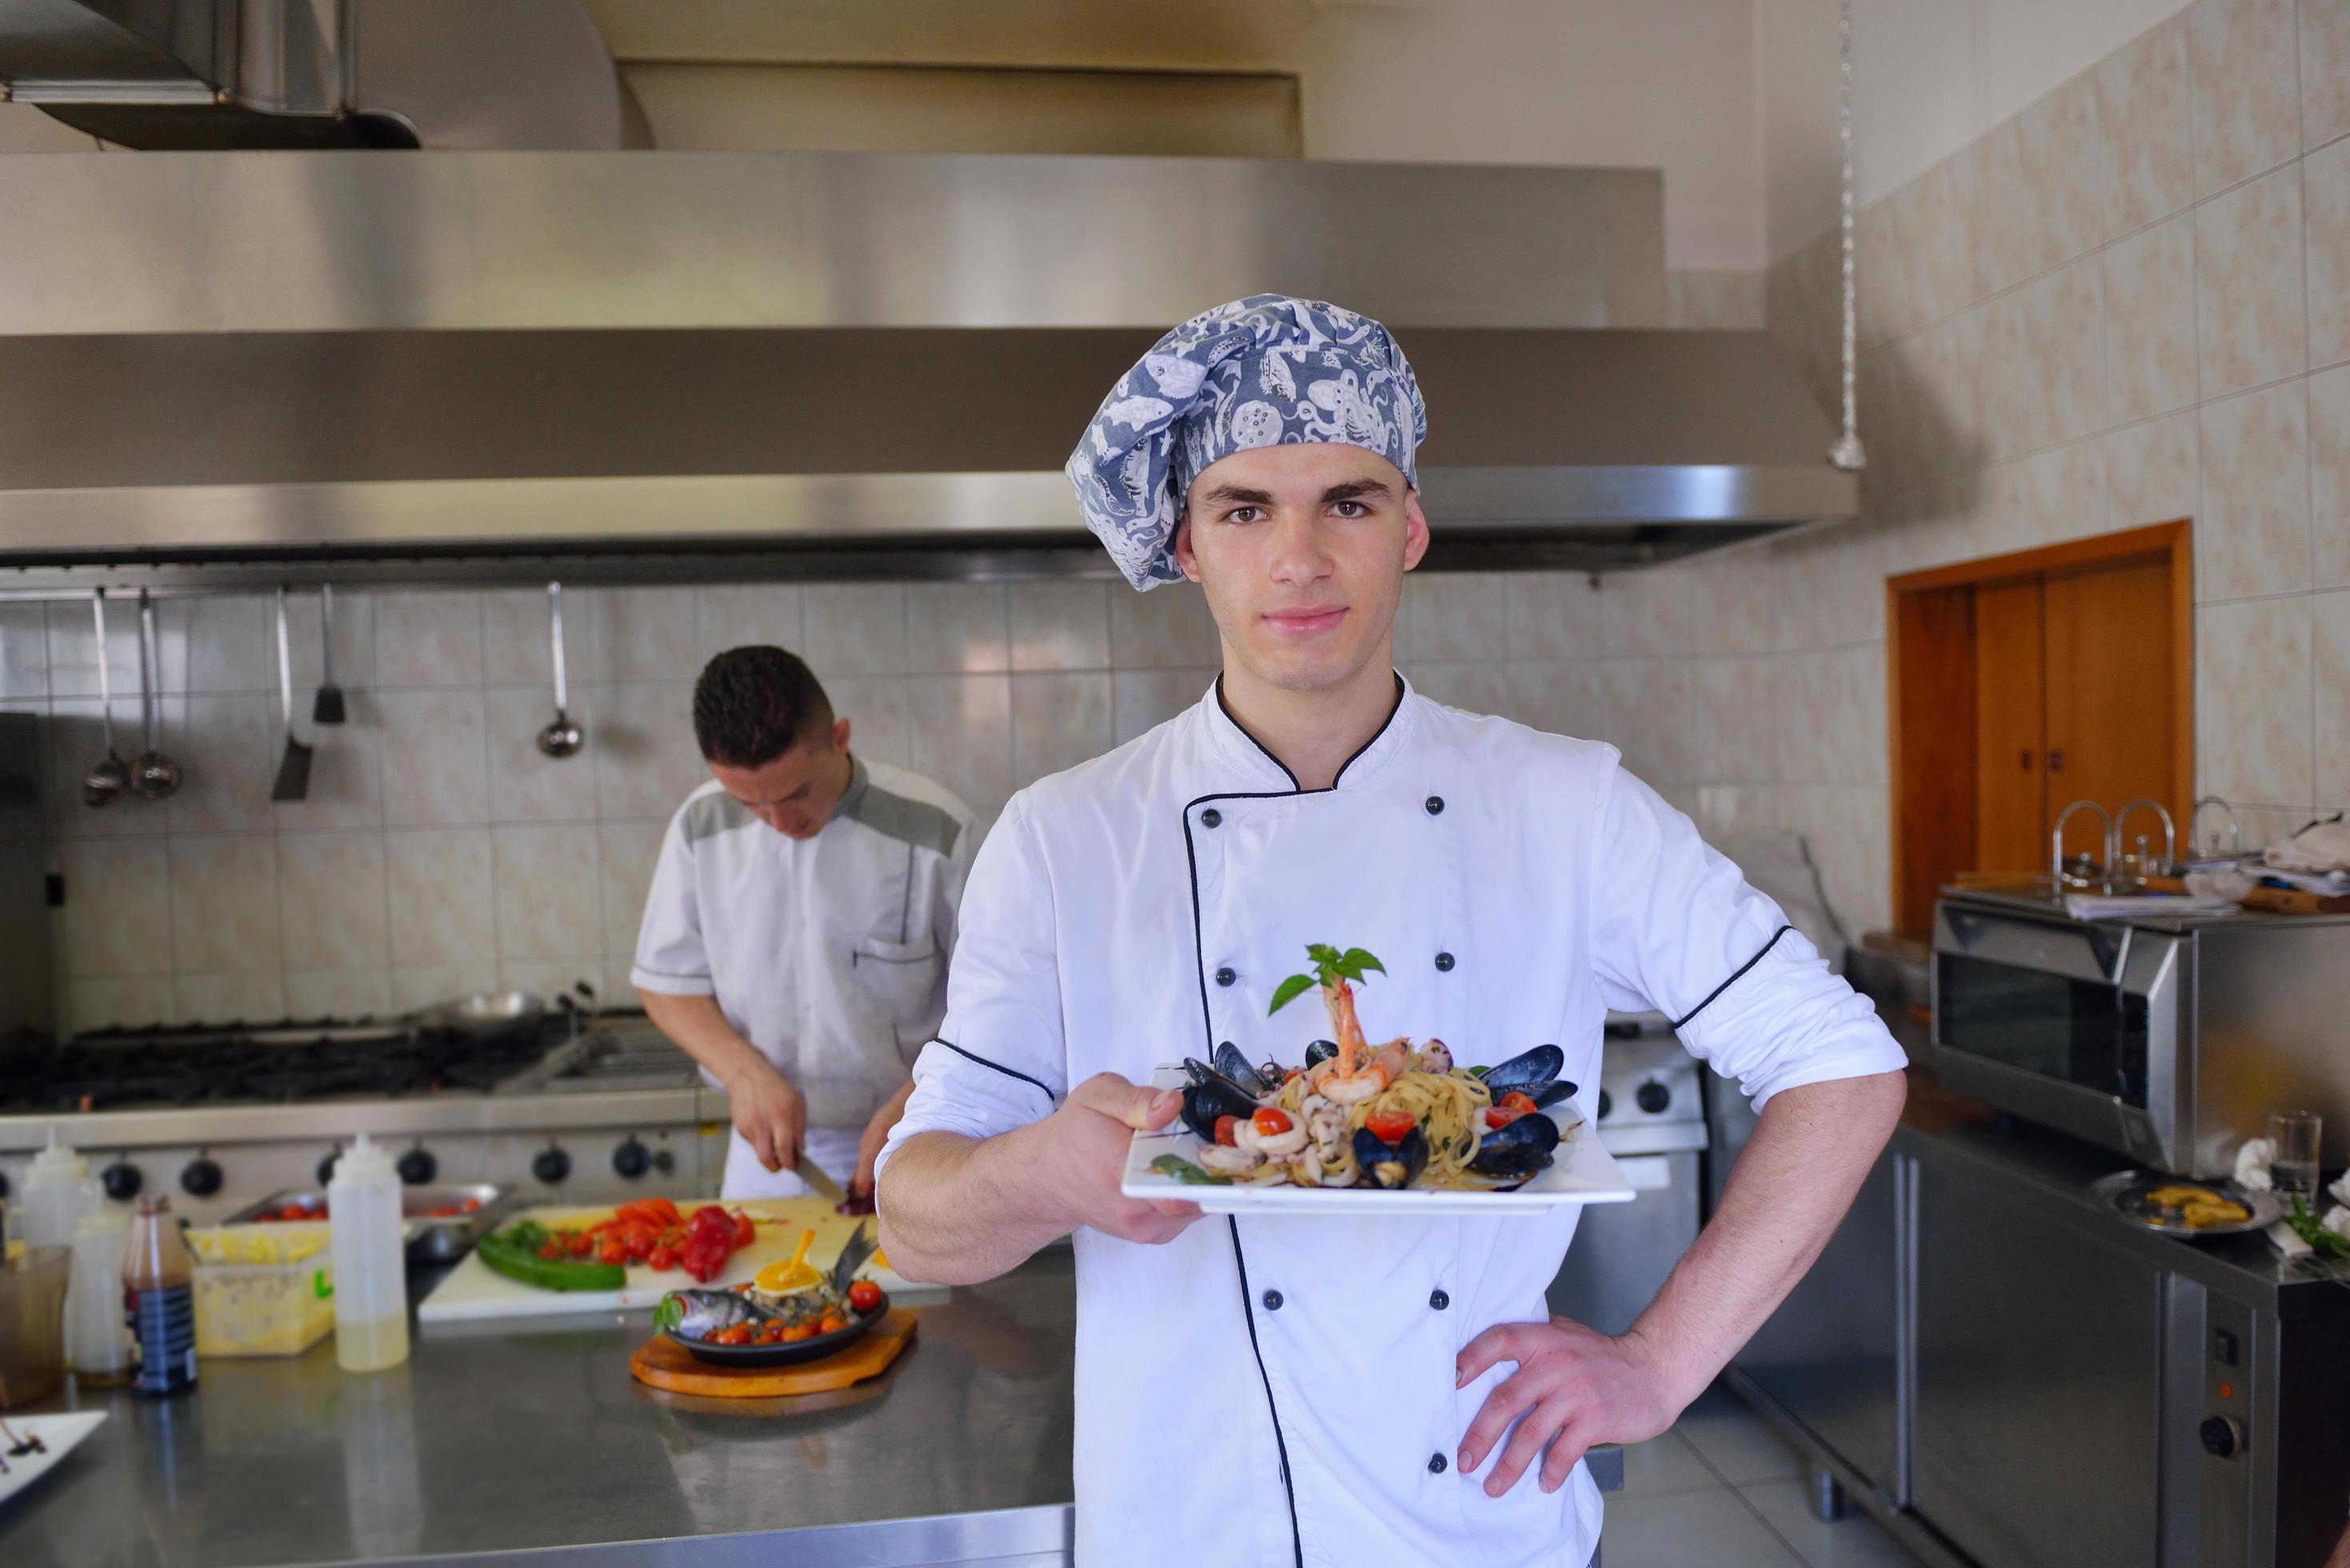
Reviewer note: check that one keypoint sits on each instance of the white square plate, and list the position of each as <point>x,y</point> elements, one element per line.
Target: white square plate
<point>58,1434</point>
<point>1581,1172</point>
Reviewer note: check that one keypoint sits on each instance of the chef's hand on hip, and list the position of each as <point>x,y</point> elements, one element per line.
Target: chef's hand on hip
<point>771,1116</point>
<point>1573,1387</point>
<point>1085,1143</point>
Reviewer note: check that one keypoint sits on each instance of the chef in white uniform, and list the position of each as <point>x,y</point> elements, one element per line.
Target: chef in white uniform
<point>1327,1390</point>
<point>796,934</point>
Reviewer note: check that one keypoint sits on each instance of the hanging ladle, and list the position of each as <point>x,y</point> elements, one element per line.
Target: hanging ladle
<point>561,738</point>
<point>156,775</point>
<point>110,776</point>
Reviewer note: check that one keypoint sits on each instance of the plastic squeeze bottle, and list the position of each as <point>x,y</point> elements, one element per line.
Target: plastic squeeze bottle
<point>97,1347</point>
<point>56,1190</point>
<point>158,1277</point>
<point>370,1267</point>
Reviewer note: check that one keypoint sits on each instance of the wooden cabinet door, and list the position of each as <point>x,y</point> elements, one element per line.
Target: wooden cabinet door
<point>2010,802</point>
<point>2111,732</point>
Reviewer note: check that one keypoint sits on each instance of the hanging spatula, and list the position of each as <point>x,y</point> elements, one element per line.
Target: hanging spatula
<point>326,707</point>
<point>293,781</point>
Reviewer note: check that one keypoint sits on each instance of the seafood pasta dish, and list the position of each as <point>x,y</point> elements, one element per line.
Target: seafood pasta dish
<point>1392,1115</point>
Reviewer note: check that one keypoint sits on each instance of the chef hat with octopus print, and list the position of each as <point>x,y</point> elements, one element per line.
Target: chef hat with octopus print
<point>1260,371</point>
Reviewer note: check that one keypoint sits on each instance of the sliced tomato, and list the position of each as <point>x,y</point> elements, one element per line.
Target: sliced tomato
<point>746,1232</point>
<point>1388,1127</point>
<point>1224,1125</point>
<point>661,1258</point>
<point>579,1243</point>
<point>1271,1121</point>
<point>1502,1115</point>
<point>1519,1102</point>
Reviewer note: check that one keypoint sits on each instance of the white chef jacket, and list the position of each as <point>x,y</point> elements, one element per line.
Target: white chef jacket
<point>1271,1391</point>
<point>828,954</point>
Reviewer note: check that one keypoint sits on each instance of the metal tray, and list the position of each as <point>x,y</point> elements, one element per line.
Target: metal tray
<point>2125,1193</point>
<point>433,1238</point>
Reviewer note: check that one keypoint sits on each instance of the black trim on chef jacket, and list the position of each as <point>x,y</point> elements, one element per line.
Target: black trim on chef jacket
<point>1207,1022</point>
<point>1007,1072</point>
<point>1734,978</point>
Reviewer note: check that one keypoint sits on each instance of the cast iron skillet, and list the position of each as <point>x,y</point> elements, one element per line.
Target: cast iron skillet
<point>791,1355</point>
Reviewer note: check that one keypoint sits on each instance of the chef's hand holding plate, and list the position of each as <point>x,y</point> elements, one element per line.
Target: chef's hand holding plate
<point>1573,1387</point>
<point>1085,1144</point>
<point>770,1115</point>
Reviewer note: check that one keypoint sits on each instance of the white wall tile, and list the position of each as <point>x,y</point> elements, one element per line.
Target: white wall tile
<point>225,998</point>
<point>2252,535</point>
<point>73,637</point>
<point>2248,285</point>
<point>2325,193</point>
<point>526,785</point>
<point>628,851</point>
<point>959,734</point>
<point>1060,625</point>
<point>875,707</point>
<point>1167,628</point>
<point>1562,696</point>
<point>1655,718</point>
<point>443,902</point>
<point>117,918</point>
<point>2247,112</point>
<point>346,788</point>
<point>2150,322</point>
<point>345,993</point>
<point>2324,71</point>
<point>416,988</point>
<point>331,889</point>
<point>353,644</point>
<point>2330,645</point>
<point>2066,171</point>
<point>1453,616</point>
<point>2044,361</point>
<point>76,744</point>
<point>1057,721</point>
<point>853,628</point>
<point>144,1002</point>
<point>436,761</point>
<point>2329,475</point>
<point>224,894</point>
<point>746,615</point>
<point>223,642</point>
<point>643,750</point>
<point>550,891</point>
<point>428,638</point>
<point>518,643</point>
<point>225,748</point>
<point>960,628</point>
<point>1471,685</point>
<point>1647,614</point>
<point>2254,743</point>
<point>2062,491</point>
<point>1554,616</point>
<point>2153,470</point>
<point>1143,699</point>
<point>645,634</point>
<point>25,650</point>
<point>551,978</point>
<point>2143,102</point>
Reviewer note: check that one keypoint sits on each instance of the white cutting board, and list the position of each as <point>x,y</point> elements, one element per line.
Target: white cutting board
<point>472,1292</point>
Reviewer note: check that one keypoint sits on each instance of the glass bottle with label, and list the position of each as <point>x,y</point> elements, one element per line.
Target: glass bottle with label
<point>158,1278</point>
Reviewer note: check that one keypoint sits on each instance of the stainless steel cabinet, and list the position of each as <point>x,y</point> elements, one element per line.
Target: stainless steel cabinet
<point>2038,1358</point>
<point>1830,1355</point>
<point>1623,1251</point>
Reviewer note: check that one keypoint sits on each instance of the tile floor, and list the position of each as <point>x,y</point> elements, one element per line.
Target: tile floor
<point>1722,1488</point>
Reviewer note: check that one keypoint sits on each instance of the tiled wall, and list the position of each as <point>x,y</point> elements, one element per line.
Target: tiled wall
<point>438,852</point>
<point>2129,304</point>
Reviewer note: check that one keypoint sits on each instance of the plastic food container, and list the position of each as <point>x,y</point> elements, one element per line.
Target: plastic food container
<point>263,1289</point>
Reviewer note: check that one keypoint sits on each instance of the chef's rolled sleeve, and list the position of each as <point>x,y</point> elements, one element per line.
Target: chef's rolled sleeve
<point>1678,929</point>
<point>999,1061</point>
<point>671,958</point>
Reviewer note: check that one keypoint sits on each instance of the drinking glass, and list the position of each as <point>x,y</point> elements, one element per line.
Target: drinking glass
<point>2294,1167</point>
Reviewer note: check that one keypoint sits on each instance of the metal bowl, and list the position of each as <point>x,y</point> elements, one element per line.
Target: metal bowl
<point>482,1017</point>
<point>815,1349</point>
<point>2125,1192</point>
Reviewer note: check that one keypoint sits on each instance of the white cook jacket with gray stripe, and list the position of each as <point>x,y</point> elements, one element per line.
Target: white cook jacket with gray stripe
<point>1267,1391</point>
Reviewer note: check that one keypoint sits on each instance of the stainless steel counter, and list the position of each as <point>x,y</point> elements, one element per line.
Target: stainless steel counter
<point>527,1436</point>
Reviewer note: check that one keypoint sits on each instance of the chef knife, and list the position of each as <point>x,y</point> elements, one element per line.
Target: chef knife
<point>824,1186</point>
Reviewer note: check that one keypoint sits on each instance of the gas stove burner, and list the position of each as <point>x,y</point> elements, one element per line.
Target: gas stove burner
<point>278,1064</point>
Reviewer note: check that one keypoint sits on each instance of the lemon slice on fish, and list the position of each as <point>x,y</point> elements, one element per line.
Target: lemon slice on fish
<point>781,1277</point>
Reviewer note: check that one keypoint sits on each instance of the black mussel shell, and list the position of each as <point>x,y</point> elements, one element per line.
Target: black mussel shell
<point>1385,1167</point>
<point>1529,1074</point>
<point>1516,1149</point>
<point>1235,1066</point>
<point>1210,1095</point>
<point>1563,1089</point>
<point>1321,1050</point>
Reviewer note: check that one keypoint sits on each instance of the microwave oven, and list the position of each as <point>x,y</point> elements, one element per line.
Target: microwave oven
<point>2165,1038</point>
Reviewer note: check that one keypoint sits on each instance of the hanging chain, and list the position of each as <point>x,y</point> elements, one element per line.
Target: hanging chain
<point>1846,453</point>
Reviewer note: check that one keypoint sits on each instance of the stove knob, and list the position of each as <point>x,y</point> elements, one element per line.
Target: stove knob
<point>550,1166</point>
<point>632,1159</point>
<point>2223,1437</point>
<point>201,1176</point>
<point>122,1180</point>
<point>1653,1097</point>
<point>327,1166</point>
<point>1606,1104</point>
<point>664,1161</point>
<point>418,1167</point>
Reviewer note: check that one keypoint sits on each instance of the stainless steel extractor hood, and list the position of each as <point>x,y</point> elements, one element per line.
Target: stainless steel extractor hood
<point>843,363</point>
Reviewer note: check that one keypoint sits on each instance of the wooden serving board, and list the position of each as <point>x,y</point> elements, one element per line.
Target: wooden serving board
<point>661,1363</point>
<point>473,1292</point>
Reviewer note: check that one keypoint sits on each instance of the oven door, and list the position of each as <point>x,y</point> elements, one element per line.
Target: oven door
<point>2071,1023</point>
